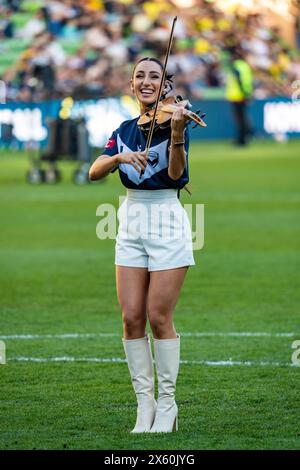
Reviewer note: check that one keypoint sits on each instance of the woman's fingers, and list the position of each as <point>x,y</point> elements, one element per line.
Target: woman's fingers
<point>142,159</point>
<point>179,119</point>
<point>139,161</point>
<point>178,114</point>
<point>137,165</point>
<point>185,115</point>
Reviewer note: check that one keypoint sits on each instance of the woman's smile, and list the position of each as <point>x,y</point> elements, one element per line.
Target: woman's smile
<point>146,92</point>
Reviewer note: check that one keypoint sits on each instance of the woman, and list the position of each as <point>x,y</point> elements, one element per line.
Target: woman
<point>150,268</point>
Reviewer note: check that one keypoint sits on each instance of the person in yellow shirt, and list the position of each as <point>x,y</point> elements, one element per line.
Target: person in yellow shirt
<point>239,89</point>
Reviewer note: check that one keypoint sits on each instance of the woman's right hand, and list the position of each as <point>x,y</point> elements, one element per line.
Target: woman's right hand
<point>137,159</point>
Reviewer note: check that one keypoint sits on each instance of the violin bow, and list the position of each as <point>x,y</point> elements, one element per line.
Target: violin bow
<point>151,130</point>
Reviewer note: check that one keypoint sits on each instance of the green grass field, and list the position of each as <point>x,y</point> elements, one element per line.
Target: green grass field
<point>57,278</point>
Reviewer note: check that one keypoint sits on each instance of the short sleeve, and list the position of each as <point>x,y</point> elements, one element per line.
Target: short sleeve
<point>111,146</point>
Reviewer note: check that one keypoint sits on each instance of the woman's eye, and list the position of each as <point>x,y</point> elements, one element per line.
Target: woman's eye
<point>153,77</point>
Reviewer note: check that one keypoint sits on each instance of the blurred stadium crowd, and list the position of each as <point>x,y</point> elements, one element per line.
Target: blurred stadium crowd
<point>86,48</point>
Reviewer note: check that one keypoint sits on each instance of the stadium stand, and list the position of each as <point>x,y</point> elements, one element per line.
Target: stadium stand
<point>86,49</point>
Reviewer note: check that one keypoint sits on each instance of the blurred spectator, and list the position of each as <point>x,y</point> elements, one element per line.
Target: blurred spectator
<point>89,46</point>
<point>239,89</point>
<point>34,27</point>
<point>213,78</point>
<point>14,5</point>
<point>6,25</point>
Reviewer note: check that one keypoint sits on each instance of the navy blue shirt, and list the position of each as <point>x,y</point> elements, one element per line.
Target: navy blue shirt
<point>129,138</point>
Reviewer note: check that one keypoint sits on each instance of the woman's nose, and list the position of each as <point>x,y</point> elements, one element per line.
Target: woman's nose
<point>147,80</point>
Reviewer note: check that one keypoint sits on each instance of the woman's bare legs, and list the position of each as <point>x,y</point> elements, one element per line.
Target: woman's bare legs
<point>160,289</point>
<point>163,293</point>
<point>132,289</point>
<point>156,293</point>
<point>164,290</point>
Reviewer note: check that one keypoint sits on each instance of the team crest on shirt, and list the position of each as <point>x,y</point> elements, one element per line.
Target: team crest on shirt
<point>153,158</point>
<point>110,144</point>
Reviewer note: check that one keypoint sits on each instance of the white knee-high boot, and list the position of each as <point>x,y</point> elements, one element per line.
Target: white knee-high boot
<point>140,364</point>
<point>167,353</point>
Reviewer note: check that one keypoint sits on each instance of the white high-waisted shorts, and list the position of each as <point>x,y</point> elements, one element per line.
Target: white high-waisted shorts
<point>154,231</point>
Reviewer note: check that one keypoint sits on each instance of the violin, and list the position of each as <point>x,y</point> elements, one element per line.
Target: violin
<point>163,116</point>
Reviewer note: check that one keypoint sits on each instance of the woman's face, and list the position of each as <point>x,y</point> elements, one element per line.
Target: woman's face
<point>145,82</point>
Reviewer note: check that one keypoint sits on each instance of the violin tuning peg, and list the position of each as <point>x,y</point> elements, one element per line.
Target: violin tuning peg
<point>203,115</point>
<point>198,111</point>
<point>195,125</point>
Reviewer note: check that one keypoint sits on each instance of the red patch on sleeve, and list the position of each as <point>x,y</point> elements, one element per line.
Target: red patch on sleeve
<point>110,144</point>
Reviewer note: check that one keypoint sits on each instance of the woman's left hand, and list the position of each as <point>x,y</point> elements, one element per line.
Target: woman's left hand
<point>178,121</point>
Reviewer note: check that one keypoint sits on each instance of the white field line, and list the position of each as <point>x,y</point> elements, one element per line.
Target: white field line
<point>192,335</point>
<point>59,336</point>
<point>121,360</point>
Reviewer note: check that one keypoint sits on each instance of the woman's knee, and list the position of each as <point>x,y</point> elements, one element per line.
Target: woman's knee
<point>160,322</point>
<point>134,321</point>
